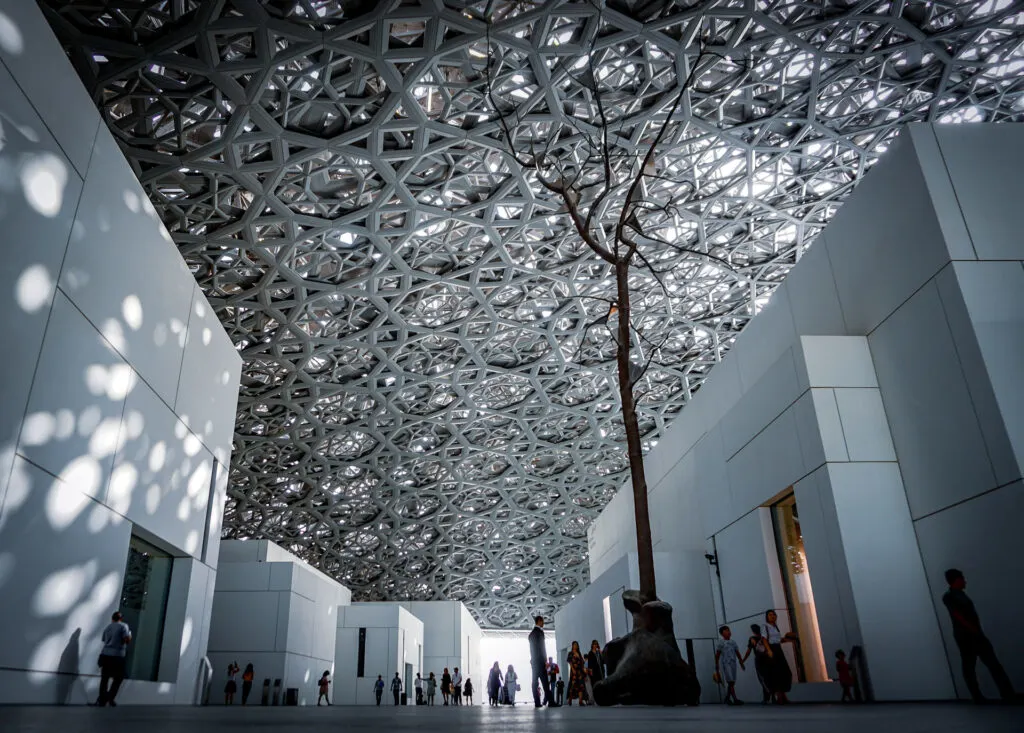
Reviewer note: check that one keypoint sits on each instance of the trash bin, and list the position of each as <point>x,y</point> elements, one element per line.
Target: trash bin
<point>405,699</point>
<point>291,696</point>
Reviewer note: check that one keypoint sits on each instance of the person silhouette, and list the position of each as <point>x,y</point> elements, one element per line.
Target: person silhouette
<point>971,640</point>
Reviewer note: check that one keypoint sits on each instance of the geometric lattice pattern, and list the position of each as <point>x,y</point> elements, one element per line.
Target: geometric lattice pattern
<point>424,412</point>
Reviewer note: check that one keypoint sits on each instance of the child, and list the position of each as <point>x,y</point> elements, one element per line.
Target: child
<point>467,690</point>
<point>727,657</point>
<point>325,684</point>
<point>560,686</point>
<point>845,676</point>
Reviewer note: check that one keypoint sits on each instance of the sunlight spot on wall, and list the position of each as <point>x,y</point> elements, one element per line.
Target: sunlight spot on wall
<point>148,207</point>
<point>192,542</point>
<point>59,592</point>
<point>70,495</point>
<point>307,677</point>
<point>34,288</point>
<point>225,377</point>
<point>199,482</point>
<point>114,333</point>
<point>131,311</point>
<point>10,37</point>
<point>200,309</point>
<point>120,381</point>
<point>131,200</point>
<point>122,483</point>
<point>43,178</point>
<point>38,428</point>
<point>177,327</point>
<point>18,486</point>
<point>103,441</point>
<point>160,334</point>
<point>192,444</point>
<point>208,427</point>
<point>186,634</point>
<point>93,613</point>
<point>46,656</point>
<point>65,424</point>
<point>89,419</point>
<point>207,336</point>
<point>157,456</point>
<point>153,498</point>
<point>183,509</point>
<point>99,517</point>
<point>134,424</point>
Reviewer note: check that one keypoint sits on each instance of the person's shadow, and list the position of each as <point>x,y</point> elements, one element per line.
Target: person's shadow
<point>67,668</point>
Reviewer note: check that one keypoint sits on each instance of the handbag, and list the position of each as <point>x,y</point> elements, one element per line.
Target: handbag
<point>518,687</point>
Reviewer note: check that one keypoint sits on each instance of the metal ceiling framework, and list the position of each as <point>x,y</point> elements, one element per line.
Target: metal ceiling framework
<point>421,413</point>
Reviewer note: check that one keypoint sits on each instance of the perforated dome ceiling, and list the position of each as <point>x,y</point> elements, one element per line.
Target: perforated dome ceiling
<point>417,415</point>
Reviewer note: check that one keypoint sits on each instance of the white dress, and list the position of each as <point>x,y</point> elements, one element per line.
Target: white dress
<point>510,686</point>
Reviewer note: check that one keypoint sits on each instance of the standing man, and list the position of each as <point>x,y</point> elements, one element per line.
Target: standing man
<point>419,689</point>
<point>396,689</point>
<point>116,637</point>
<point>378,689</point>
<point>537,655</point>
<point>456,687</point>
<point>971,640</point>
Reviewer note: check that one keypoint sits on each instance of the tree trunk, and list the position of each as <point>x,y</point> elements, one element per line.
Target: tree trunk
<point>644,547</point>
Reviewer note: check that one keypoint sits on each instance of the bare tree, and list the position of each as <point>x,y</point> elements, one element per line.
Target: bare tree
<point>607,177</point>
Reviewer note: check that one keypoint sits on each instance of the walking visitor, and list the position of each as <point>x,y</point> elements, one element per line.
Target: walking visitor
<point>396,688</point>
<point>446,685</point>
<point>247,678</point>
<point>845,676</point>
<point>456,687</point>
<point>325,686</point>
<point>467,690</point>
<point>231,687</point>
<point>511,685</point>
<point>727,658</point>
<point>431,688</point>
<point>560,695</point>
<point>595,669</point>
<point>378,689</point>
<point>116,638</point>
<point>780,677</point>
<point>577,674</point>
<point>494,683</point>
<point>419,689</point>
<point>762,660</point>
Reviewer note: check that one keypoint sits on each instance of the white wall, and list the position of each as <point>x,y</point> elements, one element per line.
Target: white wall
<point>882,383</point>
<point>118,395</point>
<point>394,638</point>
<point>275,611</point>
<point>451,637</point>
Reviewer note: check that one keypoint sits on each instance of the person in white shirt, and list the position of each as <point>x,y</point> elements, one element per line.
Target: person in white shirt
<point>419,689</point>
<point>116,637</point>
<point>456,687</point>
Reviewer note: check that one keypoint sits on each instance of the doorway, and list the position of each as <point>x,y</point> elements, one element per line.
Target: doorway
<point>796,580</point>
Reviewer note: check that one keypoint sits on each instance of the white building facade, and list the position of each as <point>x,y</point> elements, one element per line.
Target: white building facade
<point>864,434</point>
<point>117,405</point>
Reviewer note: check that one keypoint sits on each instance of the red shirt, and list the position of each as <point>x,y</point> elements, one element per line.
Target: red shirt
<point>845,677</point>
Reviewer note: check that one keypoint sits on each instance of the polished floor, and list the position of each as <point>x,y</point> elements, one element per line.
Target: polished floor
<point>940,718</point>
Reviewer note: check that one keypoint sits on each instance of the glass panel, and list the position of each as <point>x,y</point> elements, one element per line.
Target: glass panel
<point>147,583</point>
<point>810,657</point>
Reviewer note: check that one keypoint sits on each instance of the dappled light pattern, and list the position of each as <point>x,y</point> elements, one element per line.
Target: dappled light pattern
<point>424,412</point>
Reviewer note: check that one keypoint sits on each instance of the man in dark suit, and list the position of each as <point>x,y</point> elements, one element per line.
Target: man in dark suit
<point>538,656</point>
